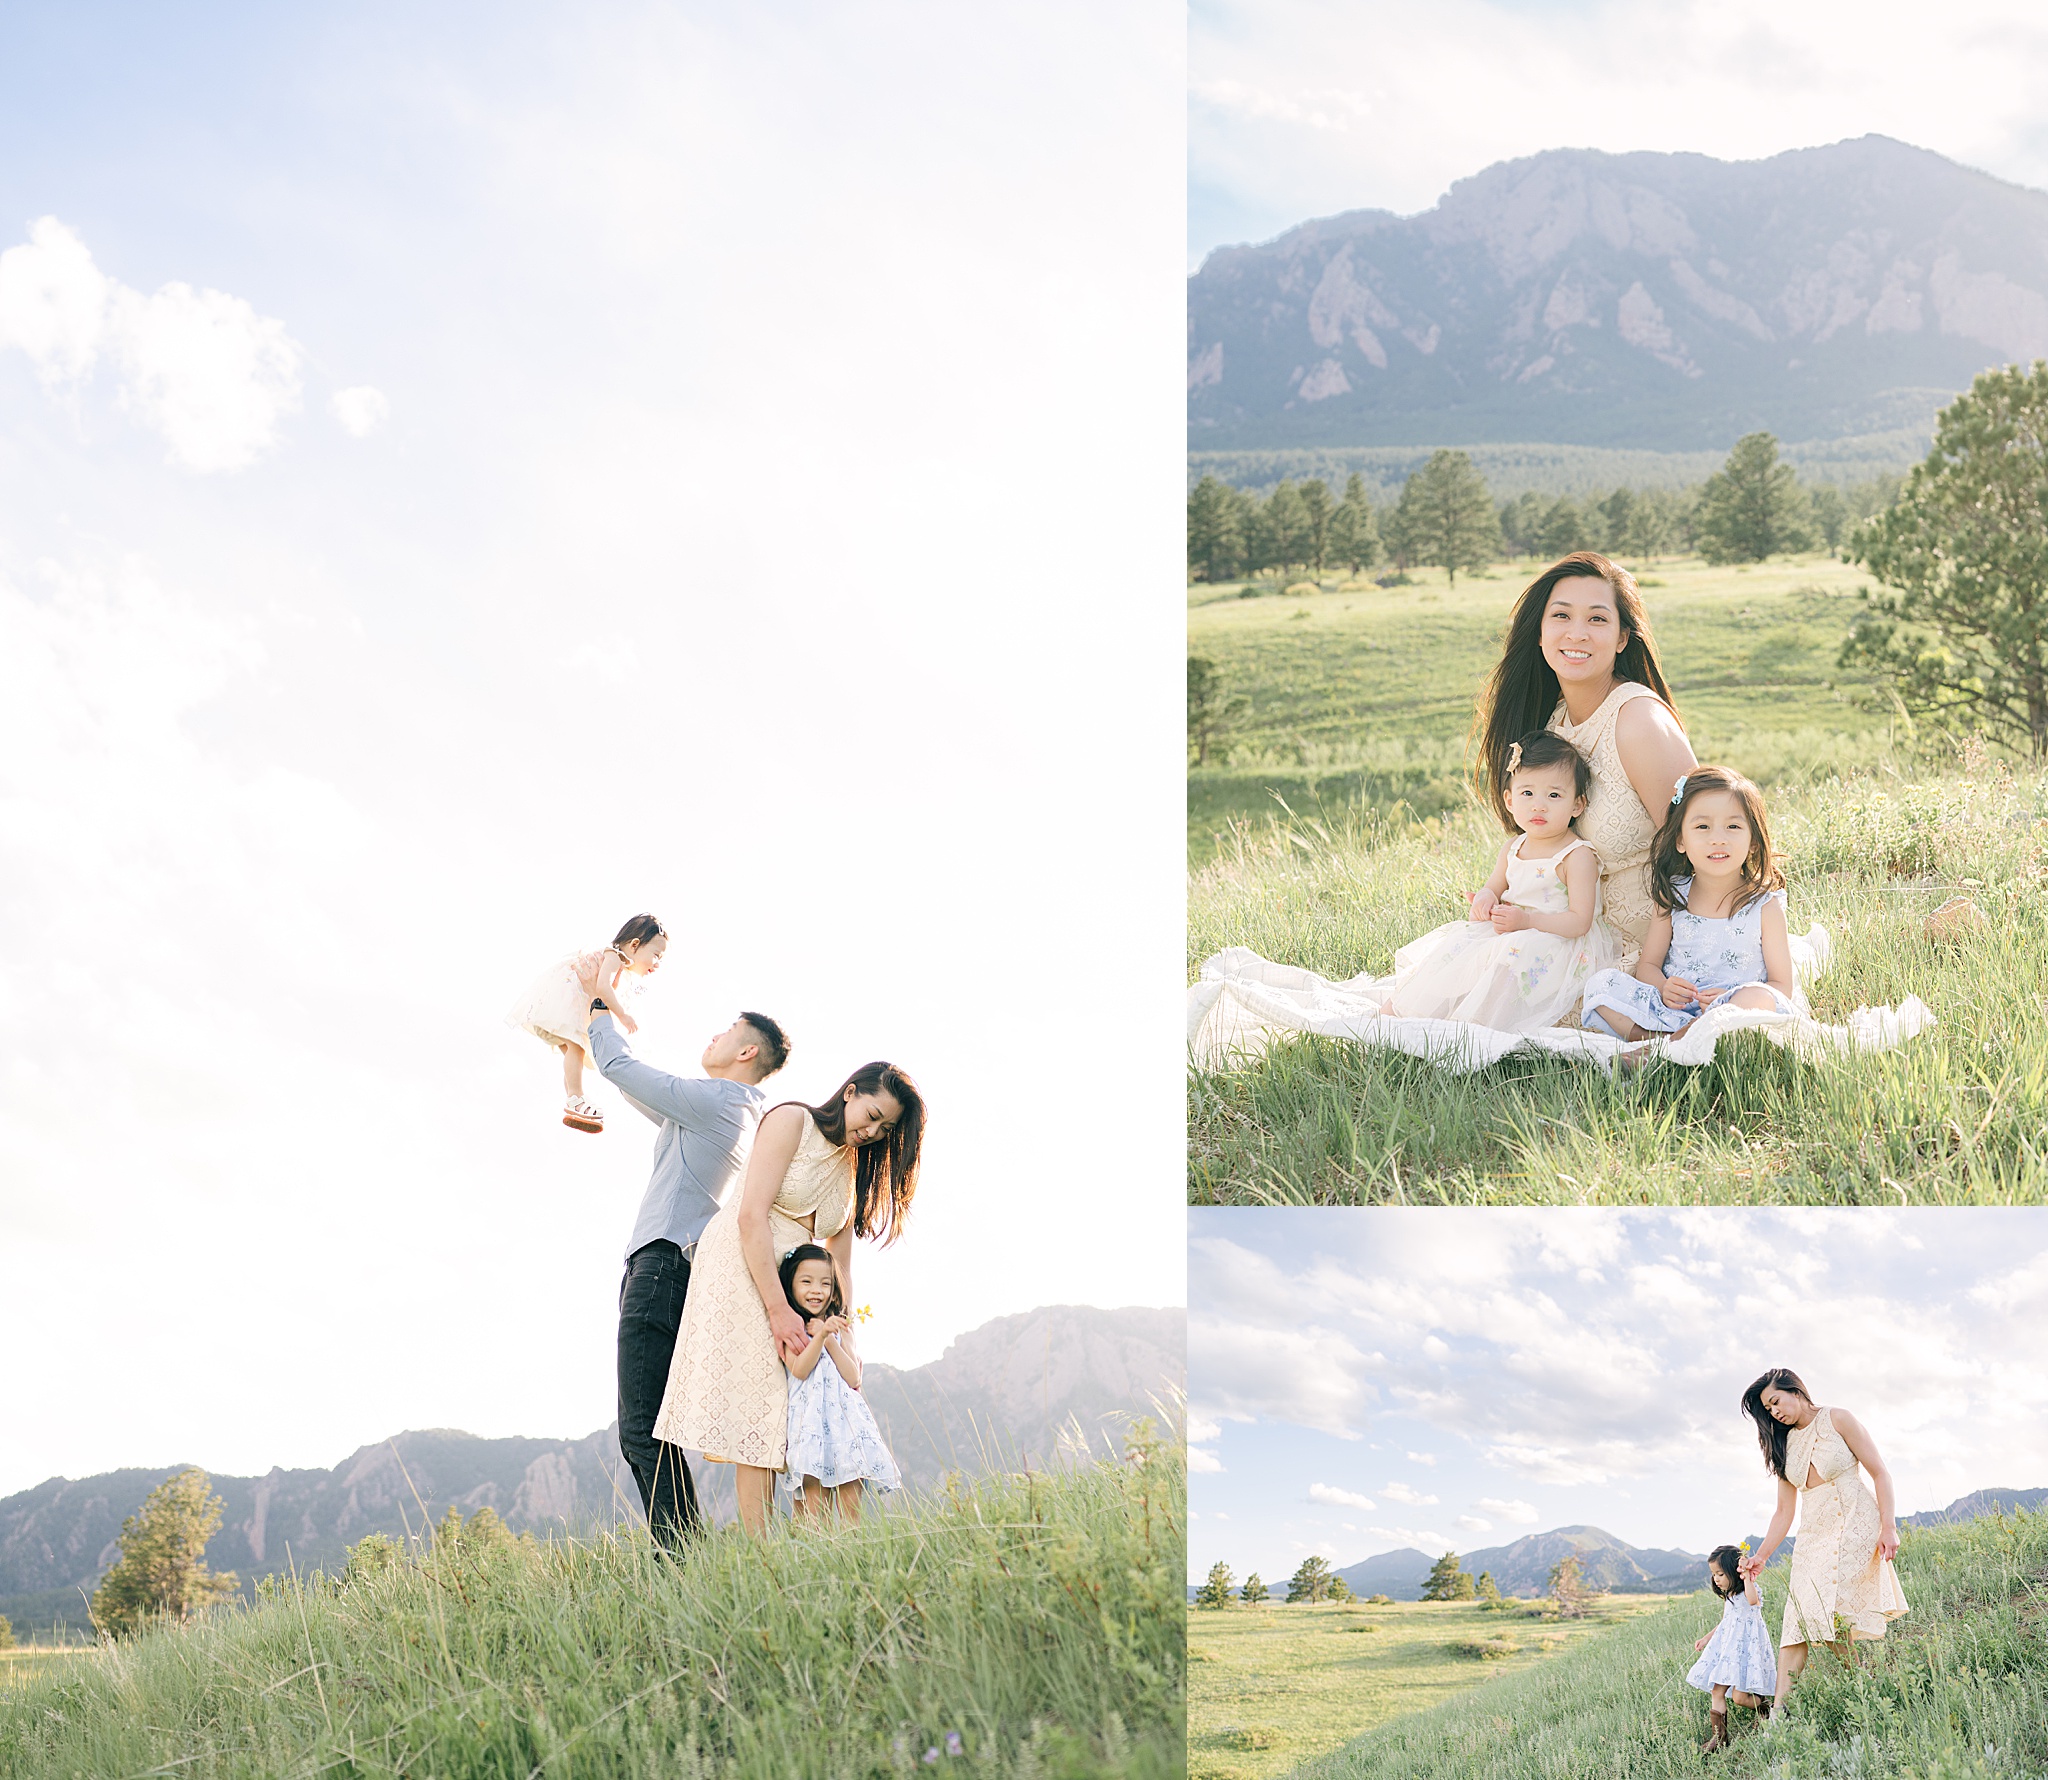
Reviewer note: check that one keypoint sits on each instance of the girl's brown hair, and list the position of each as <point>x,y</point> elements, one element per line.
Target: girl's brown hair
<point>1760,870</point>
<point>884,1171</point>
<point>1522,691</point>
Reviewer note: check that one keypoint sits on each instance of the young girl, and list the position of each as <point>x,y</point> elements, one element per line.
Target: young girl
<point>834,1444</point>
<point>1737,1658</point>
<point>1718,935</point>
<point>556,1010</point>
<point>1522,958</point>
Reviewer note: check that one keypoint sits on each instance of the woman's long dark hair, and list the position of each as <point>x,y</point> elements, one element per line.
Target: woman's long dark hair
<point>885,1171</point>
<point>1523,691</point>
<point>810,1251</point>
<point>1760,870</point>
<point>1728,1561</point>
<point>1771,1433</point>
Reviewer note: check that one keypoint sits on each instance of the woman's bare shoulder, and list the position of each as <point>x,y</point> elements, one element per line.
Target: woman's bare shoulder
<point>787,1120</point>
<point>1646,715</point>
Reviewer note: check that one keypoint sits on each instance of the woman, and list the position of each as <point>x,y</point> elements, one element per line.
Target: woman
<point>1842,1576</point>
<point>1580,660</point>
<point>822,1174</point>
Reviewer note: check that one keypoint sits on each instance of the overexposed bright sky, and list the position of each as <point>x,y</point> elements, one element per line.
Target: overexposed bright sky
<point>469,475</point>
<point>1361,1382</point>
<point>1305,108</point>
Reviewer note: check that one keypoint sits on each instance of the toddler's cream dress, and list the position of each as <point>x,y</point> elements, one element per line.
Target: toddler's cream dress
<point>1835,1567</point>
<point>728,1391</point>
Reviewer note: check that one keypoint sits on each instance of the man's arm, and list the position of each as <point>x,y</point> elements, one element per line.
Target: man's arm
<point>688,1100</point>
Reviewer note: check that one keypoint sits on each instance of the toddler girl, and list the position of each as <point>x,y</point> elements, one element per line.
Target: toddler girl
<point>556,1009</point>
<point>1522,958</point>
<point>834,1444</point>
<point>1718,935</point>
<point>1737,1658</point>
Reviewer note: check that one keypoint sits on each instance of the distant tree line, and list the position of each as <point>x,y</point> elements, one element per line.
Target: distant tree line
<point>1753,507</point>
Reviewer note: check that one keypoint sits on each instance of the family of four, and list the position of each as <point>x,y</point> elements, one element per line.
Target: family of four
<point>735,1332</point>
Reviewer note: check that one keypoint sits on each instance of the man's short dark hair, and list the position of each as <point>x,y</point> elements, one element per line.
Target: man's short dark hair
<point>774,1042</point>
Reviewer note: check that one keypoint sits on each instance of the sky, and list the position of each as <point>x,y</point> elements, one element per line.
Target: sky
<point>1306,108</point>
<point>467,475</point>
<point>1362,1381</point>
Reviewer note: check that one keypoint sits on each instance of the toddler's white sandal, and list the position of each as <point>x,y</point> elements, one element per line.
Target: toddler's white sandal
<point>579,1115</point>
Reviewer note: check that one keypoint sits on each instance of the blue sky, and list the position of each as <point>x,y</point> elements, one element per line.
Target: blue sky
<point>1366,1380</point>
<point>468,474</point>
<point>1304,108</point>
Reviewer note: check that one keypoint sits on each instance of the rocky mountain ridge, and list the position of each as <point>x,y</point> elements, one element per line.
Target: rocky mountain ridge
<point>1664,301</point>
<point>1041,1388</point>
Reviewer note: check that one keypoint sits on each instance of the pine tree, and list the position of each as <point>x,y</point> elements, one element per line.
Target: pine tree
<point>1752,507</point>
<point>1254,1590</point>
<point>1521,519</point>
<point>1211,709</point>
<point>1569,1591</point>
<point>1340,1590</point>
<point>1446,1581</point>
<point>163,1551</point>
<point>1563,529</point>
<point>1830,515</point>
<point>1354,535</point>
<point>1286,524</point>
<point>1447,517</point>
<point>1215,531</point>
<point>1216,1591</point>
<point>6,1633</point>
<point>1316,508</point>
<point>1487,1590</point>
<point>1311,1582</point>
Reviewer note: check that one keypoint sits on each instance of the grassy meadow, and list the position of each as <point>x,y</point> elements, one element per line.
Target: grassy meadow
<point>1957,1690</point>
<point>1879,828</point>
<point>1272,1686</point>
<point>1024,1626</point>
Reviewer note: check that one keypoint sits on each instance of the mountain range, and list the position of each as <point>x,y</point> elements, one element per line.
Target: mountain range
<point>1037,1389</point>
<point>1523,1567</point>
<point>1662,301</point>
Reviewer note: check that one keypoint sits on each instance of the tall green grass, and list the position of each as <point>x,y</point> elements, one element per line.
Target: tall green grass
<point>1956,1116</point>
<point>1958,1690</point>
<point>1037,1619</point>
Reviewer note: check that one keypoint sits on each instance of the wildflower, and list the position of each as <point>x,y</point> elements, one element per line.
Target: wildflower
<point>931,1757</point>
<point>954,1746</point>
<point>864,1313</point>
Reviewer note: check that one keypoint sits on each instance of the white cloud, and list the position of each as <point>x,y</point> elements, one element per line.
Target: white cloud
<point>199,368</point>
<point>1336,1498</point>
<point>1203,1427</point>
<point>1521,1514</point>
<point>1473,1524</point>
<point>361,410</point>
<point>1200,1458</point>
<point>1400,1492</point>
<point>1422,1458</point>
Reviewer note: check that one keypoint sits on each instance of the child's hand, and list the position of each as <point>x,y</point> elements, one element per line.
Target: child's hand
<point>836,1325</point>
<point>1483,905</point>
<point>1700,1644</point>
<point>1508,919</point>
<point>625,1019</point>
<point>1679,993</point>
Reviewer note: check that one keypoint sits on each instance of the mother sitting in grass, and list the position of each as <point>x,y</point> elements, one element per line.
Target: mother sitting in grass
<point>1580,661</point>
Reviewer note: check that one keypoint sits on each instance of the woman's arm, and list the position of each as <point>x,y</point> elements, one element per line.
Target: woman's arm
<point>1781,1524</point>
<point>840,1247</point>
<point>1495,887</point>
<point>1777,939</point>
<point>1857,1438</point>
<point>1654,753</point>
<point>774,1149</point>
<point>806,1362</point>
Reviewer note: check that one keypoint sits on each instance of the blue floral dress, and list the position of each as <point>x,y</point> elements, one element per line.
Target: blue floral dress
<point>1713,954</point>
<point>1740,1654</point>
<point>833,1436</point>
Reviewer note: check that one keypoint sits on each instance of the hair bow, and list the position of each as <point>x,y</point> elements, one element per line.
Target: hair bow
<point>1514,756</point>
<point>1678,790</point>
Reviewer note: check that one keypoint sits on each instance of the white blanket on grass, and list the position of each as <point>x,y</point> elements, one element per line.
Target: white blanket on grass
<point>1241,1000</point>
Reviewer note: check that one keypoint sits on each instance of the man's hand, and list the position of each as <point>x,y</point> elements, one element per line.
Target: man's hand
<point>788,1329</point>
<point>589,967</point>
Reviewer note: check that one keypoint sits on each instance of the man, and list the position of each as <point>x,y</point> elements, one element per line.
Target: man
<point>706,1130</point>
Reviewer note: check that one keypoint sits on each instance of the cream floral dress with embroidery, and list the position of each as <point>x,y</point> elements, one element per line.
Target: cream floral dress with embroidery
<point>1614,821</point>
<point>1836,1574</point>
<point>728,1391</point>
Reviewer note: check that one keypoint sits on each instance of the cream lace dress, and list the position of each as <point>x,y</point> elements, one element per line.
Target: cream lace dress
<point>1614,821</point>
<point>1835,1569</point>
<point>728,1392</point>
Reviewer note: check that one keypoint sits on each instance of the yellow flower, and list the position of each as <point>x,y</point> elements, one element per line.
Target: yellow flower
<point>864,1312</point>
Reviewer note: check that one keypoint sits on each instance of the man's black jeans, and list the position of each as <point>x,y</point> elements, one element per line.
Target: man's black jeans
<point>650,1311</point>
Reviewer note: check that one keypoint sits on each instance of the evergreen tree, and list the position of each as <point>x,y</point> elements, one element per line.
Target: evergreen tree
<point>1521,522</point>
<point>1654,524</point>
<point>1254,1590</point>
<point>1340,1590</point>
<point>1960,631</point>
<point>1446,1581</point>
<point>1569,1591</point>
<point>1216,1591</point>
<point>1311,1582</point>
<point>1752,507</point>
<point>6,1633</point>
<point>1211,709</point>
<point>1316,506</point>
<point>1354,537</point>
<point>1830,515</point>
<point>1446,515</point>
<point>1215,531</point>
<point>1617,527</point>
<point>1487,1589</point>
<point>163,1551</point>
<point>1287,526</point>
<point>1562,530</point>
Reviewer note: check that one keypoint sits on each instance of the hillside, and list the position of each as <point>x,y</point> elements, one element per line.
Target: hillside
<point>997,1398</point>
<point>1661,301</point>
